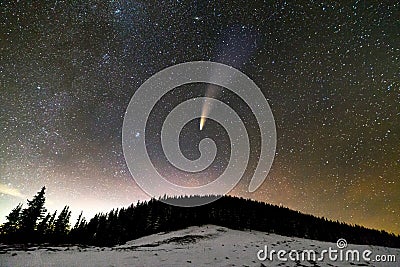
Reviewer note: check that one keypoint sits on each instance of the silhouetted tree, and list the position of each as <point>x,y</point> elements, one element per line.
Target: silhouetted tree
<point>149,217</point>
<point>12,225</point>
<point>50,224</point>
<point>78,221</point>
<point>78,233</point>
<point>42,227</point>
<point>61,225</point>
<point>32,214</point>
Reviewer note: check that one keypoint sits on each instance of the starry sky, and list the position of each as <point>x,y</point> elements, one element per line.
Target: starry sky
<point>329,70</point>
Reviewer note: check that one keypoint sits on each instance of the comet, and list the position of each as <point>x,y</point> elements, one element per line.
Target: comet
<point>211,92</point>
<point>202,122</point>
<point>236,48</point>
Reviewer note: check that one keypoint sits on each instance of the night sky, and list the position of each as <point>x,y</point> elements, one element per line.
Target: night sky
<point>330,73</point>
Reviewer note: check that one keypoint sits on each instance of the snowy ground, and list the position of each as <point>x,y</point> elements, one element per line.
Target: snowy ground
<point>195,246</point>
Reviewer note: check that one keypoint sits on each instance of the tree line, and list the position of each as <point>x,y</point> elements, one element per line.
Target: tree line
<point>34,224</point>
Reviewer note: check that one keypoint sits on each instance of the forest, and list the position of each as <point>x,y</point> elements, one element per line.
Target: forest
<point>34,225</point>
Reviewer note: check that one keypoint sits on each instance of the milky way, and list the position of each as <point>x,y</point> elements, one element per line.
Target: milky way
<point>329,71</point>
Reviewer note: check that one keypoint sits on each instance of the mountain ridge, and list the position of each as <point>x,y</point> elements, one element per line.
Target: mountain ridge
<point>149,217</point>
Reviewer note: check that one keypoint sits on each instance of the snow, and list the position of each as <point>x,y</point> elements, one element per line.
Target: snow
<point>207,245</point>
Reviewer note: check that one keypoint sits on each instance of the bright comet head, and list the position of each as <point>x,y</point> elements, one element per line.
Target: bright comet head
<point>202,122</point>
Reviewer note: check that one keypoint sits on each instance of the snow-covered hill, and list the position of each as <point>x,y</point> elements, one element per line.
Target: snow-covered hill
<point>195,246</point>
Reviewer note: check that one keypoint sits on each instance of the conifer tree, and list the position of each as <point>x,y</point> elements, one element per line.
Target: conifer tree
<point>13,221</point>
<point>50,224</point>
<point>43,225</point>
<point>61,226</point>
<point>33,212</point>
<point>78,222</point>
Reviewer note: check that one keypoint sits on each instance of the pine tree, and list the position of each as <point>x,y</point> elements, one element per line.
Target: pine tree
<point>78,233</point>
<point>13,221</point>
<point>78,222</point>
<point>61,226</point>
<point>50,227</point>
<point>43,225</point>
<point>33,213</point>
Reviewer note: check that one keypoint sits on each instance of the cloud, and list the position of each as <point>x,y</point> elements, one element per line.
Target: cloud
<point>7,190</point>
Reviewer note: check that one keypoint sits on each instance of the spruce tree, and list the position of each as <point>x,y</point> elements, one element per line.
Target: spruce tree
<point>50,224</point>
<point>78,222</point>
<point>33,213</point>
<point>61,226</point>
<point>43,225</point>
<point>13,221</point>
